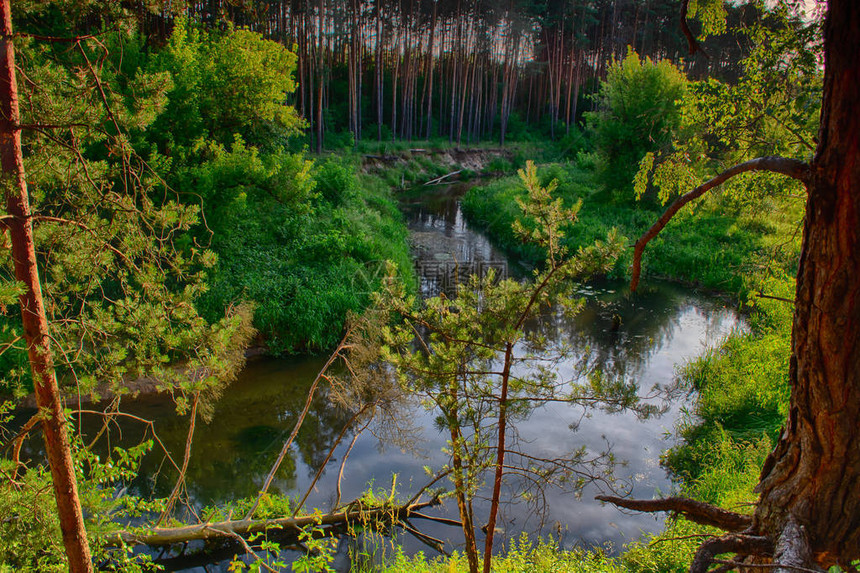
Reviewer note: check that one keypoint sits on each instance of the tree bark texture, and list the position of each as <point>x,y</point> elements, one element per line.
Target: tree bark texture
<point>813,475</point>
<point>33,318</point>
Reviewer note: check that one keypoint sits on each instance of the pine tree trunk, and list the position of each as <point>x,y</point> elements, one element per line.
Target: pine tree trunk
<point>33,318</point>
<point>814,472</point>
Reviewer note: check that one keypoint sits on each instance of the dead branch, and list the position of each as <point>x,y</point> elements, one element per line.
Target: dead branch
<point>440,180</point>
<point>285,527</point>
<point>790,167</point>
<point>18,442</point>
<point>180,481</point>
<point>72,39</point>
<point>695,511</point>
<point>149,423</point>
<point>771,297</point>
<point>343,464</point>
<point>344,430</point>
<point>740,544</point>
<point>442,520</point>
<point>431,542</point>
<point>311,392</point>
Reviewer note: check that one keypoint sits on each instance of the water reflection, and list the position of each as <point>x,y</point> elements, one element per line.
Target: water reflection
<point>639,337</point>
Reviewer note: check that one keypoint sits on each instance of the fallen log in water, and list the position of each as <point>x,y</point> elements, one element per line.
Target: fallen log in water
<point>286,527</point>
<point>440,180</point>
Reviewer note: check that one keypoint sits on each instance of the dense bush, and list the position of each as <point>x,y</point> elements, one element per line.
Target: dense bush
<point>306,242</point>
<point>639,113</point>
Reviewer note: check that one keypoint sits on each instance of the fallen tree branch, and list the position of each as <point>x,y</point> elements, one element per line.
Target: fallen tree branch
<point>695,511</point>
<point>439,180</point>
<point>791,167</point>
<point>285,527</point>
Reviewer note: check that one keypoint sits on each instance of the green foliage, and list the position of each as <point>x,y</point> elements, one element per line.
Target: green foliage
<point>120,276</point>
<point>225,83</point>
<point>305,264</point>
<point>319,554</point>
<point>743,397</point>
<point>716,246</point>
<point>772,110</point>
<point>336,180</point>
<point>28,516</point>
<point>534,556</point>
<point>639,113</point>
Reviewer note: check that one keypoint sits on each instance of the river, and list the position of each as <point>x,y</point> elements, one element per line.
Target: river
<point>642,337</point>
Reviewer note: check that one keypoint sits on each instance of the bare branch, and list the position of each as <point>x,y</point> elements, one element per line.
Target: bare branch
<point>344,430</point>
<point>298,425</point>
<point>740,544</point>
<point>771,297</point>
<point>695,511</point>
<point>791,167</point>
<point>73,39</point>
<point>343,464</point>
<point>432,542</point>
<point>180,481</point>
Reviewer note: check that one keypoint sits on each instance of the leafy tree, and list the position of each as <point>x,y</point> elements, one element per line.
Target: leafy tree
<point>639,113</point>
<point>94,270</point>
<point>225,83</point>
<point>772,109</point>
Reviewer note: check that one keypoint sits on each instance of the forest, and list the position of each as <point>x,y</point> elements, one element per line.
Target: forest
<point>430,285</point>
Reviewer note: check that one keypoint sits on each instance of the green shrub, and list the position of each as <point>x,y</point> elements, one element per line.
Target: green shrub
<point>639,113</point>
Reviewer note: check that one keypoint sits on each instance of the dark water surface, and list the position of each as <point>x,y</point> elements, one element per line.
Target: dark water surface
<point>642,337</point>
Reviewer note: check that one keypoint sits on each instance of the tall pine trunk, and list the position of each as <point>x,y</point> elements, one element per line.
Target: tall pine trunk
<point>19,225</point>
<point>813,475</point>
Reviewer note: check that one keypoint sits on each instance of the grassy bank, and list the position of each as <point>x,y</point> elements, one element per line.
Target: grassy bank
<point>720,243</point>
<point>307,264</point>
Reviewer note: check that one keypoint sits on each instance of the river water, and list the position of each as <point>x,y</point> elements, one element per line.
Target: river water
<point>642,337</point>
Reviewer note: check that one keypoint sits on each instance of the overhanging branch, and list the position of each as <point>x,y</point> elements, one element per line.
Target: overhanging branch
<point>696,511</point>
<point>790,167</point>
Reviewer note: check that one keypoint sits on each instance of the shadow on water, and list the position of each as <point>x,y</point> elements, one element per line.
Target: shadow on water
<point>639,337</point>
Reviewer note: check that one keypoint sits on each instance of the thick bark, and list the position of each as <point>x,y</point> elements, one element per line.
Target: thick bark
<point>810,483</point>
<point>813,475</point>
<point>33,318</point>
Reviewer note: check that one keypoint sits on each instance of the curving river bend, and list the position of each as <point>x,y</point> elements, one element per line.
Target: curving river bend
<point>642,337</point>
